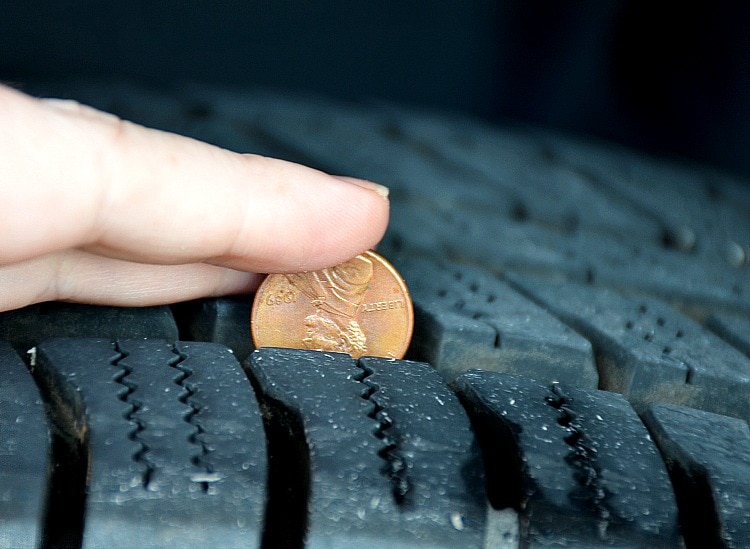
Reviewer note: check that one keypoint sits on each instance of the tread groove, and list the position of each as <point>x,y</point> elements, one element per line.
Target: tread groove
<point>396,468</point>
<point>140,456</point>
<point>582,458</point>
<point>64,518</point>
<point>190,417</point>
<point>288,482</point>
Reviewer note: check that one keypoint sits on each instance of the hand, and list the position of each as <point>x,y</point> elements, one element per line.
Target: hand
<point>94,209</point>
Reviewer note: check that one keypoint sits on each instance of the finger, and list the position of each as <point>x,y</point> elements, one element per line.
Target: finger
<point>77,178</point>
<point>79,276</point>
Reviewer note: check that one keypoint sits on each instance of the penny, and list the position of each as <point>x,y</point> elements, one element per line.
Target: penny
<point>361,307</point>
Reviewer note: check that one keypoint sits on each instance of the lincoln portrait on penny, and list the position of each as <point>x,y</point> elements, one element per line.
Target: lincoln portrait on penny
<point>336,293</point>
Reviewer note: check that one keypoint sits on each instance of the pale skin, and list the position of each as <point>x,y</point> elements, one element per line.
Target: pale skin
<point>97,210</point>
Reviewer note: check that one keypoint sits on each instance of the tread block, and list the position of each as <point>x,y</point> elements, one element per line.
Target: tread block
<point>462,237</point>
<point>700,284</point>
<point>585,257</point>
<point>174,435</point>
<point>361,141</point>
<point>466,318</point>
<point>648,351</point>
<point>26,327</point>
<point>697,208</point>
<point>380,451</point>
<point>223,320</point>
<point>577,465</point>
<point>708,456</point>
<point>546,192</point>
<point>24,451</point>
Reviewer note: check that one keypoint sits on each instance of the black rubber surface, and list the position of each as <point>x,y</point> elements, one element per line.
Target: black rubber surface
<point>648,351</point>
<point>354,446</point>
<point>468,319</point>
<point>222,320</point>
<point>172,452</point>
<point>23,454</point>
<point>734,329</point>
<point>574,464</point>
<point>709,460</point>
<point>561,288</point>
<point>27,327</point>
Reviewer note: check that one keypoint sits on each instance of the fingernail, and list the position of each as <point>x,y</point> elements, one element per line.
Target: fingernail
<point>382,190</point>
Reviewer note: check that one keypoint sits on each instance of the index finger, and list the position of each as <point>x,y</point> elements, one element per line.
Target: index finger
<point>72,177</point>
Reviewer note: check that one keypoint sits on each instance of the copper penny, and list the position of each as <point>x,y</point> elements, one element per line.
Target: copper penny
<point>361,307</point>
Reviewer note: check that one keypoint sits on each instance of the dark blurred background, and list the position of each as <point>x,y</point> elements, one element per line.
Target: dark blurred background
<point>669,77</point>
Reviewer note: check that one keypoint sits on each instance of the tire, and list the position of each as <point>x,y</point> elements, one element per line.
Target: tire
<point>579,374</point>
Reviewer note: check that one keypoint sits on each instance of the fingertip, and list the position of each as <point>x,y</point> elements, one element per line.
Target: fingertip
<point>356,223</point>
<point>305,220</point>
